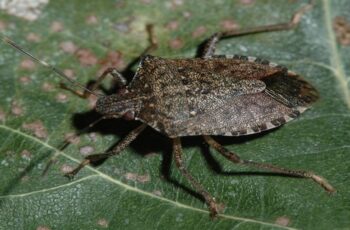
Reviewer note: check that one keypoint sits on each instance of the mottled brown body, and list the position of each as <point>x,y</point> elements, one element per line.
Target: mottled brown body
<point>221,95</point>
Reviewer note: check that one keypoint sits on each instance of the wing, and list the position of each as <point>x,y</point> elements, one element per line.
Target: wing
<point>285,97</point>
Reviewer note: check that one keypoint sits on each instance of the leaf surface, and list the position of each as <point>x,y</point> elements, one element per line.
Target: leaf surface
<point>140,188</point>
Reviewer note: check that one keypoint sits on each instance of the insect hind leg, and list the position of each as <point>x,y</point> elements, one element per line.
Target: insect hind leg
<point>272,168</point>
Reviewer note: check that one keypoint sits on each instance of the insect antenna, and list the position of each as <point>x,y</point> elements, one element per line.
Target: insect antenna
<point>47,65</point>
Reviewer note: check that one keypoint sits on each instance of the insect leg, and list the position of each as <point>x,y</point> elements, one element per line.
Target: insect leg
<point>95,158</point>
<point>153,45</point>
<point>67,141</point>
<point>177,151</point>
<point>272,168</point>
<point>121,82</point>
<point>209,46</point>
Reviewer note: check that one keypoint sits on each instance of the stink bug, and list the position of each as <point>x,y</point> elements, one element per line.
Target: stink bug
<point>210,95</point>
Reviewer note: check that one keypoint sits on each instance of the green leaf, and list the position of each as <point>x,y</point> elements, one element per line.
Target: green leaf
<point>130,191</point>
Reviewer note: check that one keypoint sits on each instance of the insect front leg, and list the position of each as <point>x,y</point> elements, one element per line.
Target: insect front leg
<point>95,158</point>
<point>120,81</point>
<point>272,168</point>
<point>209,46</point>
<point>209,199</point>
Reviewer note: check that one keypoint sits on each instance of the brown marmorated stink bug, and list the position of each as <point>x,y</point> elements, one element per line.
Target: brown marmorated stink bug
<point>226,95</point>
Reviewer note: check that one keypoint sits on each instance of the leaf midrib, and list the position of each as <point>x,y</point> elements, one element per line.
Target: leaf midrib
<point>335,57</point>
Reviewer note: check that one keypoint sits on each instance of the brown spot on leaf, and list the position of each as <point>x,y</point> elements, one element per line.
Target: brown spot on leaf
<point>2,115</point>
<point>157,192</point>
<point>56,26</point>
<point>86,150</point>
<point>86,57</point>
<point>25,178</point>
<point>93,136</point>
<point>37,128</point>
<point>66,168</point>
<point>113,59</point>
<point>146,1</point>
<point>27,64</point>
<point>125,25</point>
<point>3,25</point>
<point>68,47</point>
<point>247,2</point>
<point>173,4</point>
<point>32,37</point>
<point>16,109</point>
<point>186,14</point>
<point>172,25</point>
<point>199,31</point>
<point>43,228</point>
<point>24,80</point>
<point>91,20</point>
<point>103,223</point>
<point>47,87</point>
<point>283,221</point>
<point>136,177</point>
<point>72,138</point>
<point>341,27</point>
<point>176,43</point>
<point>228,24</point>
<point>69,73</point>
<point>61,97</point>
<point>25,154</point>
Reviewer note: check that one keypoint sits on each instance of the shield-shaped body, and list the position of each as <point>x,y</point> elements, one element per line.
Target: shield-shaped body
<point>222,95</point>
